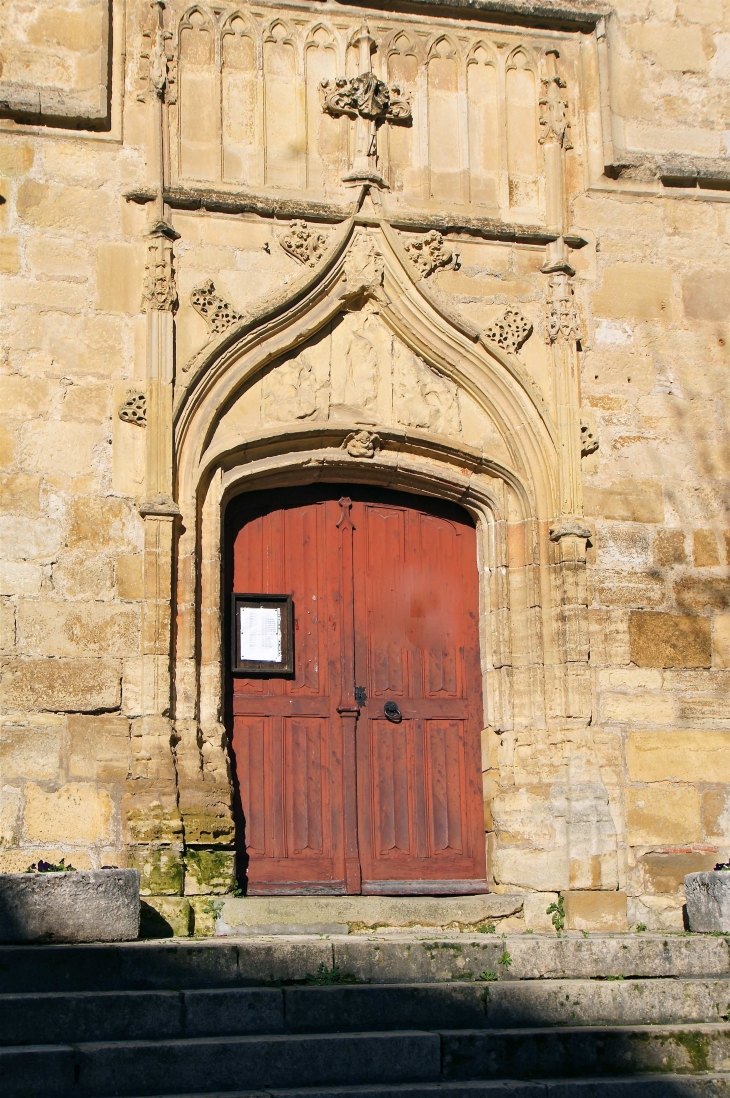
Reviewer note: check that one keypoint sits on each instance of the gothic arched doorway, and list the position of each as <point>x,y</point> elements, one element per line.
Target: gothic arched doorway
<point>359,771</point>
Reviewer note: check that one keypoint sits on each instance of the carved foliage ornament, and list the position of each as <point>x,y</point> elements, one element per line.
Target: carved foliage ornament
<point>511,331</point>
<point>134,408</point>
<point>365,96</point>
<point>554,121</point>
<point>361,444</point>
<point>429,252</point>
<point>216,312</point>
<point>304,244</point>
<point>562,316</point>
<point>588,441</point>
<point>158,289</point>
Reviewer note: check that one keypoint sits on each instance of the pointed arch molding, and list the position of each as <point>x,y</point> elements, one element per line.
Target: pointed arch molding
<point>363,263</point>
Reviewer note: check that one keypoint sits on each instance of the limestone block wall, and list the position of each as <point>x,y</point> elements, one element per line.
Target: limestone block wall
<point>642,784</point>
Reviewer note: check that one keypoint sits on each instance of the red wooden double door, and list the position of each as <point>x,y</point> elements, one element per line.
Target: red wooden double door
<point>361,771</point>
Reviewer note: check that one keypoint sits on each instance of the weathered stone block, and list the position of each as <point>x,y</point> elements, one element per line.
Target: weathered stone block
<point>595,911</point>
<point>209,871</point>
<point>685,756</point>
<point>161,870</point>
<point>166,916</point>
<point>99,748</point>
<point>645,708</point>
<point>119,278</point>
<point>639,290</point>
<point>663,813</point>
<point>702,593</point>
<point>666,872</point>
<point>721,640</point>
<point>704,549</point>
<point>9,255</point>
<point>82,629</point>
<point>629,501</point>
<point>106,524</point>
<point>31,749</point>
<point>708,902</point>
<point>669,640</point>
<point>669,547</point>
<point>627,589</point>
<point>24,539</point>
<point>75,813</point>
<point>129,576</point>
<point>61,685</point>
<point>678,49</point>
<point>706,295</point>
<point>97,906</point>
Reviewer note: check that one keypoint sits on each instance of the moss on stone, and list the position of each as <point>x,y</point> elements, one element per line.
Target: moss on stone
<point>209,871</point>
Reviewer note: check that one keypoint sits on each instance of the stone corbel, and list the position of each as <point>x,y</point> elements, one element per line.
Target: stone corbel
<point>569,528</point>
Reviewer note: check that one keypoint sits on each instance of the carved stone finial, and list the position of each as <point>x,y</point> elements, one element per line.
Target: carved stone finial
<point>361,444</point>
<point>304,244</point>
<point>588,441</point>
<point>562,316</point>
<point>216,312</point>
<point>511,331</point>
<point>159,290</point>
<point>365,96</point>
<point>554,121</point>
<point>134,408</point>
<point>429,252</point>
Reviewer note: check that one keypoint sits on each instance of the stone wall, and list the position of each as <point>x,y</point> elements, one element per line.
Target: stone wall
<point>622,786</point>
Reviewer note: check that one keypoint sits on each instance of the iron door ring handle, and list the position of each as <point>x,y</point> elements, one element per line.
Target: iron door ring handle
<point>392,712</point>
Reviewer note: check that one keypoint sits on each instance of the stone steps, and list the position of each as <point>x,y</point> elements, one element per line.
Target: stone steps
<point>141,966</point>
<point>376,1015</point>
<point>195,1065</point>
<point>73,1017</point>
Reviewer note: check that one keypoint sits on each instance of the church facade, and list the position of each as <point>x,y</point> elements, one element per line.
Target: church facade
<point>364,434</point>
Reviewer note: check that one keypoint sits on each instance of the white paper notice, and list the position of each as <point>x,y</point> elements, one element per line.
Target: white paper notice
<point>261,634</point>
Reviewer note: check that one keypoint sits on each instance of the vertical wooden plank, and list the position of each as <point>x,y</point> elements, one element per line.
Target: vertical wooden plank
<point>348,708</point>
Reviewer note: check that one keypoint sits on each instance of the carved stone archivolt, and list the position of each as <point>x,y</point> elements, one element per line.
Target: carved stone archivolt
<point>361,444</point>
<point>562,316</point>
<point>511,331</point>
<point>215,311</point>
<point>428,253</point>
<point>303,243</point>
<point>134,408</point>
<point>365,96</point>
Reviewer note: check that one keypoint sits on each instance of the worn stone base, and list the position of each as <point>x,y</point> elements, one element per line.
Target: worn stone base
<point>708,901</point>
<point>96,906</point>
<point>350,914</point>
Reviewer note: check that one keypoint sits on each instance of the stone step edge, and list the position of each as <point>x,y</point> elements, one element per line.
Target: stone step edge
<point>518,1031</point>
<point>651,1085</point>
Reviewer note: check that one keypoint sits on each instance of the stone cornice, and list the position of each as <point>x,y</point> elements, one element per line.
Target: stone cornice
<point>577,16</point>
<point>242,202</point>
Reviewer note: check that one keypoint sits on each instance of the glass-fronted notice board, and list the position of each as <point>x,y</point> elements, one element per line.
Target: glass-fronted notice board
<point>263,634</point>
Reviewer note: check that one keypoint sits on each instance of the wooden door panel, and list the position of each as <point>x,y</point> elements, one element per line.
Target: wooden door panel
<point>390,768</point>
<point>307,788</point>
<point>445,783</point>
<point>385,594</point>
<point>419,794</point>
<point>286,736</point>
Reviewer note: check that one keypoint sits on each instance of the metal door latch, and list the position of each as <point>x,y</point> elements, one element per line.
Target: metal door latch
<point>360,696</point>
<point>392,712</point>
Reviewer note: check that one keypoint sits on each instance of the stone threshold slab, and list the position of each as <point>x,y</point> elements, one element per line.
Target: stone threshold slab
<point>275,915</point>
